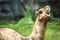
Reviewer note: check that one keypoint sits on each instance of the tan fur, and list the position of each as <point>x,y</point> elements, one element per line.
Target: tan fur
<point>39,28</point>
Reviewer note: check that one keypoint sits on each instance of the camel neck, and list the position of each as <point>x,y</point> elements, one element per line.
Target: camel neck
<point>39,29</point>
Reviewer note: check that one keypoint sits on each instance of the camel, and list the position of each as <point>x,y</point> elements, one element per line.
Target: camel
<point>39,28</point>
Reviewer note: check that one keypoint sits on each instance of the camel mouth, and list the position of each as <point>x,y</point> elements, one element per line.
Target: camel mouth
<point>45,18</point>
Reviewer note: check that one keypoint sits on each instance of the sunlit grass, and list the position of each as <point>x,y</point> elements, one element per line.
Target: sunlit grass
<point>52,31</point>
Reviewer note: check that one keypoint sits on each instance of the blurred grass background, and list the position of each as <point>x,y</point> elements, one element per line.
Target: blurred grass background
<point>25,25</point>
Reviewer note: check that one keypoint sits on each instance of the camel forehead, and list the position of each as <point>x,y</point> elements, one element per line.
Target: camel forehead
<point>41,9</point>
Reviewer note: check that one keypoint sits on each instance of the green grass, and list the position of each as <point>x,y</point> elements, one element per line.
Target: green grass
<point>23,29</point>
<point>52,31</point>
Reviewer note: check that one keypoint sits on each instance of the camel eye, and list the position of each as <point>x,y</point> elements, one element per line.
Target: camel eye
<point>48,13</point>
<point>40,12</point>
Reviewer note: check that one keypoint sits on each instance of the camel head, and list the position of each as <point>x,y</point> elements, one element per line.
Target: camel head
<point>43,13</point>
